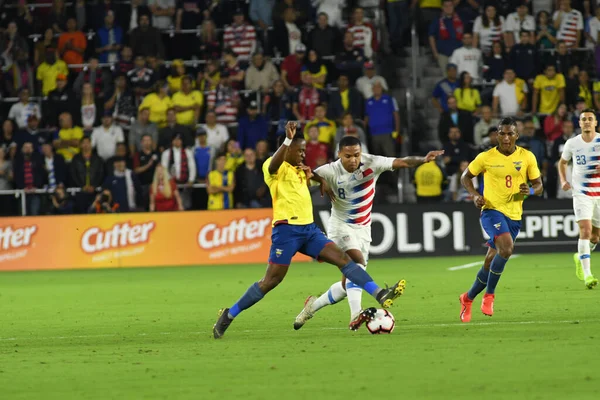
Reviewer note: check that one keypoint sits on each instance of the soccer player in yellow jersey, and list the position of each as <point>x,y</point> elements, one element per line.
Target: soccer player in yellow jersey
<point>294,231</point>
<point>507,171</point>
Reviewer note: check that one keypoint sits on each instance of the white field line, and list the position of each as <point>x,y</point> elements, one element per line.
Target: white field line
<point>474,264</point>
<point>401,325</point>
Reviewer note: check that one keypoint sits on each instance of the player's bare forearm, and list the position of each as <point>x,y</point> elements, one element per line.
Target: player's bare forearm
<point>414,161</point>
<point>278,159</point>
<point>537,186</point>
<point>467,181</point>
<point>562,170</point>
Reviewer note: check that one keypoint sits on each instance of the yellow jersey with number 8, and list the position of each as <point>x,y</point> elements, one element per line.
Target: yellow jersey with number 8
<point>502,176</point>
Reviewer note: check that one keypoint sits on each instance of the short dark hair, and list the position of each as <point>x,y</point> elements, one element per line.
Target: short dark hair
<point>589,110</point>
<point>349,141</point>
<point>508,121</point>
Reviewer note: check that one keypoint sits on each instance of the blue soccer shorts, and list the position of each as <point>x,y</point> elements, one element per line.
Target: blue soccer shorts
<point>287,240</point>
<point>495,224</point>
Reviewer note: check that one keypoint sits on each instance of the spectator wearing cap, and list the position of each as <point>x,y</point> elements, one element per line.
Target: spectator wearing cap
<point>324,38</point>
<point>216,133</point>
<point>165,134</point>
<point>55,168</point>
<point>87,173</point>
<point>124,186</point>
<point>220,186</point>
<point>224,100</point>
<point>383,119</point>
<point>109,39</point>
<point>141,78</point>
<point>250,188</point>
<point>203,155</point>
<point>518,22</point>
<point>158,103</point>
<point>72,44</point>
<point>455,118</point>
<point>146,40</point>
<point>177,73</point>
<point>31,133</point>
<point>162,13</point>
<point>306,100</point>
<point>240,36</point>
<point>252,127</point>
<point>181,165</point>
<point>291,68</point>
<point>569,24</point>
<point>351,59</point>
<point>364,84</point>
<point>121,102</point>
<point>445,88</point>
<point>142,126</point>
<point>188,103</point>
<point>286,35</point>
<point>483,126</point>
<point>49,70</point>
<point>60,100</point>
<point>468,58</point>
<point>68,137</point>
<point>232,68</point>
<point>144,163</point>
<point>524,58</point>
<point>326,127</point>
<point>345,99</point>
<point>20,75</point>
<point>510,95</point>
<point>261,74</point>
<point>28,172</point>
<point>106,136</point>
<point>363,33</point>
<point>20,111</point>
<point>548,91</point>
<point>445,34</point>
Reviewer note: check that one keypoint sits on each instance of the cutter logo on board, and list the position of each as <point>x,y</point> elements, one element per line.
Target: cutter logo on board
<point>12,239</point>
<point>121,235</point>
<point>212,236</point>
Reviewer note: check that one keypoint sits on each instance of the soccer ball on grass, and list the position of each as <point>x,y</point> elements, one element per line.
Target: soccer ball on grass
<point>383,322</point>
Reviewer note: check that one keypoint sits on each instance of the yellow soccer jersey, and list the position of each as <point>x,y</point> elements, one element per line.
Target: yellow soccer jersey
<point>223,200</point>
<point>290,194</point>
<point>194,98</point>
<point>549,92</point>
<point>502,176</point>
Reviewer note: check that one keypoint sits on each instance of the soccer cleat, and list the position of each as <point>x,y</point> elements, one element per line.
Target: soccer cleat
<point>591,282</point>
<point>222,323</point>
<point>389,294</point>
<point>465,307</point>
<point>487,304</point>
<point>305,314</point>
<point>578,267</point>
<point>362,318</point>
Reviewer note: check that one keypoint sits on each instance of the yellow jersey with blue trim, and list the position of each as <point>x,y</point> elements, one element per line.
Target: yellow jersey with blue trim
<point>292,203</point>
<point>502,176</point>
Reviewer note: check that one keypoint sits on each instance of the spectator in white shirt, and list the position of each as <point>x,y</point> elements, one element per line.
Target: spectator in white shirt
<point>569,24</point>
<point>21,111</point>
<point>591,35</point>
<point>106,136</point>
<point>364,84</point>
<point>468,58</point>
<point>517,22</point>
<point>509,97</point>
<point>333,9</point>
<point>488,29</point>
<point>216,134</point>
<point>162,13</point>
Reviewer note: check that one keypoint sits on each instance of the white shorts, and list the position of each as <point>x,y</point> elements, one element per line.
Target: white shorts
<point>587,208</point>
<point>351,238</point>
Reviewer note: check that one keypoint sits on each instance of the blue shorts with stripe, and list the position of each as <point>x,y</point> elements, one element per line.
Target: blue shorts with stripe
<point>287,240</point>
<point>495,224</point>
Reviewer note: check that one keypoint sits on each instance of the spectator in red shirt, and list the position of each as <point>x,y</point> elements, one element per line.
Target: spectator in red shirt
<point>364,34</point>
<point>307,99</point>
<point>240,36</point>
<point>236,74</point>
<point>164,195</point>
<point>553,124</point>
<point>315,150</point>
<point>28,172</point>
<point>291,67</point>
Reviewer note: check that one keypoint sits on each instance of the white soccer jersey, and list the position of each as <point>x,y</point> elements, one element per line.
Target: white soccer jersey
<point>585,179</point>
<point>355,191</point>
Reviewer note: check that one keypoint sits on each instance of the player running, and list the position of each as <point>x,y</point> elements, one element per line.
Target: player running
<point>583,150</point>
<point>353,178</point>
<point>294,231</point>
<point>506,170</point>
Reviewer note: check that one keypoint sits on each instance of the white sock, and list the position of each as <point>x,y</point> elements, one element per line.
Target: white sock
<point>354,297</point>
<point>593,246</point>
<point>335,293</point>
<point>583,247</point>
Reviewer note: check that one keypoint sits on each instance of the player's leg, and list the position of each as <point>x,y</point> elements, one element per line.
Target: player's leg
<point>353,291</point>
<point>466,299</point>
<point>283,247</point>
<point>584,208</point>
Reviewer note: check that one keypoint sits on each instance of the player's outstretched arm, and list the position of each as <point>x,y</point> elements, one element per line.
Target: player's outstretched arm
<point>412,161</point>
<point>324,186</point>
<point>467,181</point>
<point>279,156</point>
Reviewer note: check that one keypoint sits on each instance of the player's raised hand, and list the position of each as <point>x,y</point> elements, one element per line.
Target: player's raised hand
<point>479,201</point>
<point>290,129</point>
<point>566,186</point>
<point>432,155</point>
<point>524,188</point>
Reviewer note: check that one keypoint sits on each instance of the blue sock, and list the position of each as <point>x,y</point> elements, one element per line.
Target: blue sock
<point>360,277</point>
<point>252,296</point>
<point>496,269</point>
<point>479,284</point>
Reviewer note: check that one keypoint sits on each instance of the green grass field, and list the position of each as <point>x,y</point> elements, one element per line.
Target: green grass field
<point>146,334</point>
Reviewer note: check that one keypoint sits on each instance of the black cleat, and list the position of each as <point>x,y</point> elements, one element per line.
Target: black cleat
<point>388,295</point>
<point>222,323</point>
<point>364,317</point>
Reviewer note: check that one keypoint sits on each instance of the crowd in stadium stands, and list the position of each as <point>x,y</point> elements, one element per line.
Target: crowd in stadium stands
<point>140,100</point>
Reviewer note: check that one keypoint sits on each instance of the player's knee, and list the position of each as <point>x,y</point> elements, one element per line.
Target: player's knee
<point>506,251</point>
<point>269,283</point>
<point>585,234</point>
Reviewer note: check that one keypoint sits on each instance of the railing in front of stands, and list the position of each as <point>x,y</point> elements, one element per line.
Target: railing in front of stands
<point>22,194</point>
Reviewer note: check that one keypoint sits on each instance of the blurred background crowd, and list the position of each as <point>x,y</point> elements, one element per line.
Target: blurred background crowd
<point>118,106</point>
